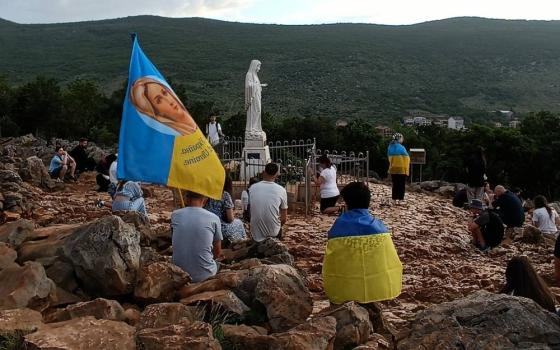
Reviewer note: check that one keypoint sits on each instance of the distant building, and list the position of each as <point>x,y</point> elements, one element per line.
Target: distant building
<point>498,125</point>
<point>439,120</point>
<point>514,123</point>
<point>507,114</point>
<point>384,131</point>
<point>422,121</point>
<point>456,123</point>
<point>341,123</point>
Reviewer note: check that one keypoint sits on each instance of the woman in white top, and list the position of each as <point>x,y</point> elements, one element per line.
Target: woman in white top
<point>544,217</point>
<point>329,189</point>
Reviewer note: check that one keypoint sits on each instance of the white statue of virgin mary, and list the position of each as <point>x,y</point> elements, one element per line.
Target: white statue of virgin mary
<point>253,88</point>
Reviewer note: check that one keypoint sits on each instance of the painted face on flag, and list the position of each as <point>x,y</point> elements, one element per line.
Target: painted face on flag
<point>156,100</point>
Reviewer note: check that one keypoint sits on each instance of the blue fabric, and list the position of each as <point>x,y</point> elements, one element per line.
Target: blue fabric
<point>396,149</point>
<point>140,148</point>
<point>56,162</point>
<point>356,222</point>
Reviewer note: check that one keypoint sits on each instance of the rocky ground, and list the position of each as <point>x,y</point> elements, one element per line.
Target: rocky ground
<point>50,289</point>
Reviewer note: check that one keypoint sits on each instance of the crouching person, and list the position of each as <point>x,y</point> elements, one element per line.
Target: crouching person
<point>485,226</point>
<point>196,238</point>
<point>361,263</point>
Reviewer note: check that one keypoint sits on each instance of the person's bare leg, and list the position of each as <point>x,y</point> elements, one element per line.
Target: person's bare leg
<point>478,239</point>
<point>63,172</point>
<point>72,168</point>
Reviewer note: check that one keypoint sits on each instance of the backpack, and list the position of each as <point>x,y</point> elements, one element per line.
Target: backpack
<point>495,227</point>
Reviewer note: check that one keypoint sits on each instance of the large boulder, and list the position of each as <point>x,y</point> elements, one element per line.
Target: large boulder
<point>484,320</point>
<point>282,292</point>
<point>225,300</point>
<point>165,314</point>
<point>16,321</point>
<point>316,334</point>
<point>105,255</point>
<point>33,170</point>
<point>185,335</point>
<point>158,282</point>
<point>15,233</point>
<point>85,333</point>
<point>99,308</point>
<point>276,293</point>
<point>353,325</point>
<point>26,286</point>
<point>44,243</point>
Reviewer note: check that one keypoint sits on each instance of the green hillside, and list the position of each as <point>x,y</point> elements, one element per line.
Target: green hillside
<point>341,70</point>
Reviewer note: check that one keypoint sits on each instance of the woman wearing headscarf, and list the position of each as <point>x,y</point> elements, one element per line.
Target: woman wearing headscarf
<point>399,166</point>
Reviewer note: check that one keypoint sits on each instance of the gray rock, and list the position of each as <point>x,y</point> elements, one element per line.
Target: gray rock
<point>16,321</point>
<point>484,320</point>
<point>25,286</point>
<point>99,308</point>
<point>185,335</point>
<point>281,290</point>
<point>158,282</point>
<point>166,314</point>
<point>315,334</point>
<point>7,256</point>
<point>272,251</point>
<point>84,333</point>
<point>10,176</point>
<point>353,325</point>
<point>225,300</point>
<point>33,170</point>
<point>105,255</point>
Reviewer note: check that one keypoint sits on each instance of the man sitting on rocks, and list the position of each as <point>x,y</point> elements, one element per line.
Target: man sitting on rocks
<point>269,206</point>
<point>361,263</point>
<point>509,207</point>
<point>79,153</point>
<point>196,238</point>
<point>486,226</point>
<point>61,163</point>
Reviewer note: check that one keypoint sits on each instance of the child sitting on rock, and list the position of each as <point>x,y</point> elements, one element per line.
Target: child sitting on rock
<point>361,263</point>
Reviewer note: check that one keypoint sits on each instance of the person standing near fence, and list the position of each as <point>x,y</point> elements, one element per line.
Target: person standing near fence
<point>399,166</point>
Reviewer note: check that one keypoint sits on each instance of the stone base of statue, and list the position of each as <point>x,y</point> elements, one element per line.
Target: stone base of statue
<point>256,154</point>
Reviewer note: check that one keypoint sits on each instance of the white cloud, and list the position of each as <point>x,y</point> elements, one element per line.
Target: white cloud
<point>279,11</point>
<point>46,11</point>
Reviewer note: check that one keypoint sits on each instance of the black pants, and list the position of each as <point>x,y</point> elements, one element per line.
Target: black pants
<point>399,181</point>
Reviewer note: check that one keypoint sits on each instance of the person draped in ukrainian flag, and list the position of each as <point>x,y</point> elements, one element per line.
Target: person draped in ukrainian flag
<point>399,166</point>
<point>361,263</point>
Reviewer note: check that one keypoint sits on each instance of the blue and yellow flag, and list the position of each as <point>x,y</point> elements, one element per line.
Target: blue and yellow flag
<point>399,160</point>
<point>361,263</point>
<point>159,140</point>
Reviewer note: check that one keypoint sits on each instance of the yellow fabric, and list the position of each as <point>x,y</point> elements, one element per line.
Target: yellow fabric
<point>362,268</point>
<point>399,165</point>
<point>195,166</point>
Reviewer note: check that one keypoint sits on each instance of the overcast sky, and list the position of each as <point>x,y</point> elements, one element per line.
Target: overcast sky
<point>279,11</point>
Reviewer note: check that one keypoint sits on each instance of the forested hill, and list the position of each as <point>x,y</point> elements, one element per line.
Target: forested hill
<point>339,70</point>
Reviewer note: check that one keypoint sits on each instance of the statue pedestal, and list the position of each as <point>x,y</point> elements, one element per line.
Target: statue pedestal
<point>255,155</point>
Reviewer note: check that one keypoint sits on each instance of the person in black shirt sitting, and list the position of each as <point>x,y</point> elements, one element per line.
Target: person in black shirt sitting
<point>80,155</point>
<point>509,207</point>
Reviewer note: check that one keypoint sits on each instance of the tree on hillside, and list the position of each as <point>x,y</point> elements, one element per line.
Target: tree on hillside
<point>37,106</point>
